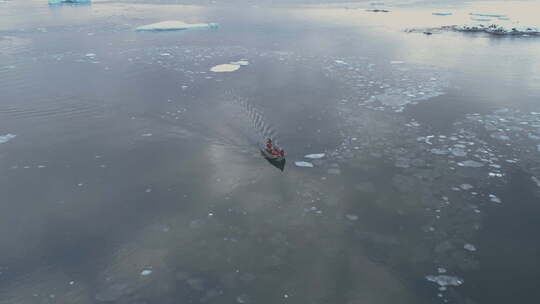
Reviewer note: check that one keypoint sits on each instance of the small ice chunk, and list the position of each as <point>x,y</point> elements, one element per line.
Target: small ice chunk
<point>459,152</point>
<point>303,164</point>
<point>445,280</point>
<point>471,163</point>
<point>340,62</point>
<point>146,272</point>
<point>243,298</point>
<point>334,171</point>
<point>225,68</point>
<point>536,180</point>
<point>538,147</point>
<point>441,14</point>
<point>6,138</point>
<point>352,217</point>
<point>241,62</point>
<point>466,186</point>
<point>441,270</point>
<point>146,134</point>
<point>439,151</point>
<point>396,62</point>
<point>494,198</point>
<point>469,247</point>
<point>315,156</point>
<point>175,25</point>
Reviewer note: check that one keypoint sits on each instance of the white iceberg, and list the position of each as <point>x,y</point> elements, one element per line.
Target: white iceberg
<point>175,25</point>
<point>441,14</point>
<point>6,138</point>
<point>303,164</point>
<point>315,156</point>
<point>487,15</point>
<point>228,67</point>
<point>146,272</point>
<point>69,1</point>
<point>496,29</point>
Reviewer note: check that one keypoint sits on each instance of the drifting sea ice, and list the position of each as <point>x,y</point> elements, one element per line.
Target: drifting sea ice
<point>470,163</point>
<point>6,138</point>
<point>445,280</point>
<point>314,156</point>
<point>174,25</point>
<point>225,68</point>
<point>469,247</point>
<point>303,164</point>
<point>494,198</point>
<point>441,14</point>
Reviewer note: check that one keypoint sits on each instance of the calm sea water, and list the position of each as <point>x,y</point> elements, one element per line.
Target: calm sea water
<point>131,172</point>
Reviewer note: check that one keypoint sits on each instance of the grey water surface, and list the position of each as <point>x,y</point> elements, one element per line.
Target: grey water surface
<point>131,172</point>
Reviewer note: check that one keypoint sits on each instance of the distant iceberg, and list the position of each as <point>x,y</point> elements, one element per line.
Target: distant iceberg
<point>496,29</point>
<point>441,14</point>
<point>493,29</point>
<point>70,1</point>
<point>487,15</point>
<point>174,25</point>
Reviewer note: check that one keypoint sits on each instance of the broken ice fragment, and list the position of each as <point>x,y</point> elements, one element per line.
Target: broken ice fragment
<point>441,14</point>
<point>439,151</point>
<point>466,186</point>
<point>241,62</point>
<point>469,247</point>
<point>314,156</point>
<point>459,152</point>
<point>225,68</point>
<point>174,25</point>
<point>536,180</point>
<point>445,280</point>
<point>494,198</point>
<point>351,217</point>
<point>441,270</point>
<point>470,163</point>
<point>303,164</point>
<point>6,138</point>
<point>146,272</point>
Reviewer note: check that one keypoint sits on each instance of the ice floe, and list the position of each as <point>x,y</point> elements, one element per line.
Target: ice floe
<point>494,198</point>
<point>146,272</point>
<point>469,247</point>
<point>315,156</point>
<point>303,164</point>
<point>470,163</point>
<point>6,138</point>
<point>227,67</point>
<point>441,14</point>
<point>445,280</point>
<point>352,217</point>
<point>175,25</point>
